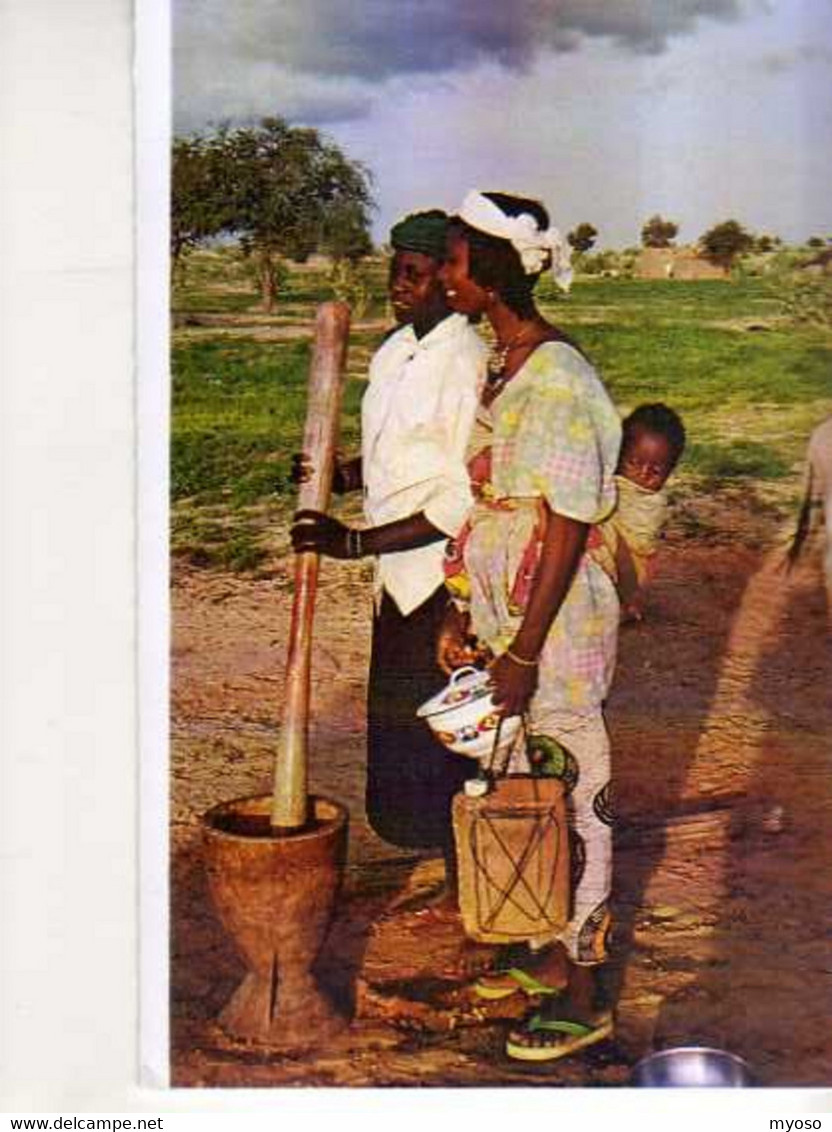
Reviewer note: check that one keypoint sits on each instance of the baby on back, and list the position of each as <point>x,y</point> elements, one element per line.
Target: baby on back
<point>653,439</point>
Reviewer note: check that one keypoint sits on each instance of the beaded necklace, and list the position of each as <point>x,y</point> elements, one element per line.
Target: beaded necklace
<point>497,359</point>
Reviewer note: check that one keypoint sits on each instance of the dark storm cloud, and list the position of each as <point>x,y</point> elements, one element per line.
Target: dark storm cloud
<point>374,39</point>
<point>322,61</point>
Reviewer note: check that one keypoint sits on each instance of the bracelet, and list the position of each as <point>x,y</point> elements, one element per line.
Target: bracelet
<point>354,547</point>
<point>521,660</point>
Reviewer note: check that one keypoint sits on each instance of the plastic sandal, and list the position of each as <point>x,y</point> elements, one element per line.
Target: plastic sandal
<point>502,984</point>
<point>572,1036</point>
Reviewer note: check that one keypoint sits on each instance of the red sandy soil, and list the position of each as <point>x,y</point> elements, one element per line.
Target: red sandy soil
<point>721,716</point>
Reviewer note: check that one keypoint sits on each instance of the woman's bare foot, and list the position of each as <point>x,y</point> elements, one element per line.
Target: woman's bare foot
<point>543,971</point>
<point>549,965</point>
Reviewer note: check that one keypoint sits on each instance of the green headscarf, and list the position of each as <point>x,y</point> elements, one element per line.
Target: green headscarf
<point>424,232</point>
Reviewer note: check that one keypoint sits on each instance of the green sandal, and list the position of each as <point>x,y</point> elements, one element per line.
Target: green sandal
<point>556,1038</point>
<point>503,984</point>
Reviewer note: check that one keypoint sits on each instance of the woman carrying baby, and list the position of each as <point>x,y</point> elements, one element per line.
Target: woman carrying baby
<point>542,455</point>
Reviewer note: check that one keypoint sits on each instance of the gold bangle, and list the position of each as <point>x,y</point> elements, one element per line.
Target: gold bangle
<point>521,661</point>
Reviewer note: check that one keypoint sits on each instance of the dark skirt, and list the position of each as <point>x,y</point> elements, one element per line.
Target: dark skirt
<point>411,778</point>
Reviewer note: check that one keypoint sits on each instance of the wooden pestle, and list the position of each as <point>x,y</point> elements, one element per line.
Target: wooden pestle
<point>290,808</point>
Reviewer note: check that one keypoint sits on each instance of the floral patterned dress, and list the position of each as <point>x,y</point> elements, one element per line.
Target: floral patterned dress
<point>552,435</point>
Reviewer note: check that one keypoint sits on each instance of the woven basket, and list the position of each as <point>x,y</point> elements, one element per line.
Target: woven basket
<point>513,860</point>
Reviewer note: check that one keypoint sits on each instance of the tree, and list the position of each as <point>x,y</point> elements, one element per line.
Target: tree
<point>816,242</point>
<point>294,193</point>
<point>345,235</point>
<point>725,242</point>
<point>283,190</point>
<point>201,200</point>
<point>765,243</point>
<point>583,237</point>
<point>659,233</point>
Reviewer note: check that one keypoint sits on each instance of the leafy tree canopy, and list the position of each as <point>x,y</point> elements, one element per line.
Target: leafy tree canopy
<point>583,237</point>
<point>201,196</point>
<point>283,190</point>
<point>658,232</point>
<point>725,242</point>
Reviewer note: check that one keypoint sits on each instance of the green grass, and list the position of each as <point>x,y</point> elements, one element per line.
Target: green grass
<point>222,281</point>
<point>748,384</point>
<point>695,368</point>
<point>720,354</point>
<point>630,300</point>
<point>738,459</point>
<point>239,408</point>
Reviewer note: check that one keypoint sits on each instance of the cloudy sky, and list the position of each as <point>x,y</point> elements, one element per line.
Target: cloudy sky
<point>607,110</point>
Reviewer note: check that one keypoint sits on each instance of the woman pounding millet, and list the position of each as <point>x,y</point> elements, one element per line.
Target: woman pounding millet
<point>415,418</point>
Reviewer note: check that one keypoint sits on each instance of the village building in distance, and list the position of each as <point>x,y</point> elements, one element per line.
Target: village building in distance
<point>676,263</point>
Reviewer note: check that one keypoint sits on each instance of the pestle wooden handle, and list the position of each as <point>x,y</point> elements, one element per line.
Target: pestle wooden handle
<point>326,379</point>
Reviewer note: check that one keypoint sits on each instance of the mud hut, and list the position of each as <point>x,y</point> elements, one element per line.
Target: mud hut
<point>654,263</point>
<point>690,265</point>
<point>676,263</point>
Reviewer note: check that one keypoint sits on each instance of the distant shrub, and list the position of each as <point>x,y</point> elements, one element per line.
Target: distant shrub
<point>608,264</point>
<point>350,284</point>
<point>806,299</point>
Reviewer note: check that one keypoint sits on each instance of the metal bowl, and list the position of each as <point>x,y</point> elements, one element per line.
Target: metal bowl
<point>692,1067</point>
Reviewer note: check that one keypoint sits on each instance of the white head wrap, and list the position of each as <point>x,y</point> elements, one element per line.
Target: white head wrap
<point>532,243</point>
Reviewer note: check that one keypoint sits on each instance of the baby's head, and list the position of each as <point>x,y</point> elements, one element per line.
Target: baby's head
<point>652,442</point>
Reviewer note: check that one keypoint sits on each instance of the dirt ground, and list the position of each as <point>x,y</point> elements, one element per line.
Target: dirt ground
<point>721,719</point>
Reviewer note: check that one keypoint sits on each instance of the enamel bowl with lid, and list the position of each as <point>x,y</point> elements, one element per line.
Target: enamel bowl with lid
<point>464,718</point>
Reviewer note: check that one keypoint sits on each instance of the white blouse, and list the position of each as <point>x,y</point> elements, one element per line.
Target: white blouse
<point>415,419</point>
